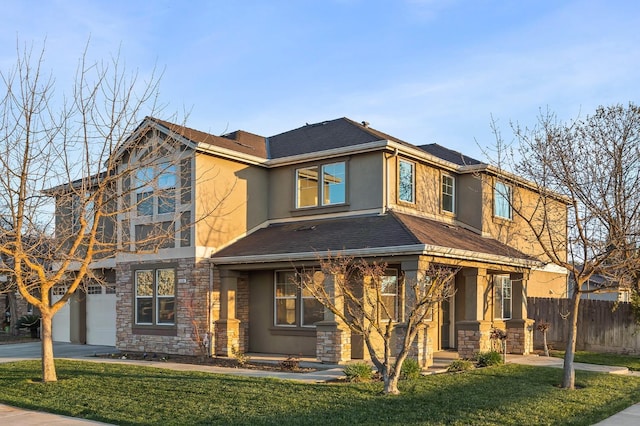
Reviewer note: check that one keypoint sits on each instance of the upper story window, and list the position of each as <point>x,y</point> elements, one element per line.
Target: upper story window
<point>502,200</point>
<point>448,193</point>
<point>326,183</point>
<point>502,296</point>
<point>156,189</point>
<point>406,181</point>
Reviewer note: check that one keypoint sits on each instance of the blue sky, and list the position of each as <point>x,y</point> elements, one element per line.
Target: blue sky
<point>422,70</point>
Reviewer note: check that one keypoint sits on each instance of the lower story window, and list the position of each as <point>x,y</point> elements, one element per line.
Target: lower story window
<point>155,293</point>
<point>502,296</point>
<point>294,307</point>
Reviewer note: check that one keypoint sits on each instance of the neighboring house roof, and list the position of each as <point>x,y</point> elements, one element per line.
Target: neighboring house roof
<point>388,232</point>
<point>449,155</point>
<point>338,133</point>
<point>239,141</point>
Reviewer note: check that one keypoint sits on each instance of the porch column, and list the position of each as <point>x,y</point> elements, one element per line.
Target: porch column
<point>519,327</point>
<point>475,329</point>
<point>422,347</point>
<point>227,327</point>
<point>333,337</point>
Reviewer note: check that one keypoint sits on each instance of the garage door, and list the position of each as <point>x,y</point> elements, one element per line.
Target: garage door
<point>61,323</point>
<point>101,315</point>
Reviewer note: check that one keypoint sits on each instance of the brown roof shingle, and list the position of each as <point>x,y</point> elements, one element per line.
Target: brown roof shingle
<point>362,232</point>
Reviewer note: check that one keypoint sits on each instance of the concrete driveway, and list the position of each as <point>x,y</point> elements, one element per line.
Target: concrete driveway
<point>20,351</point>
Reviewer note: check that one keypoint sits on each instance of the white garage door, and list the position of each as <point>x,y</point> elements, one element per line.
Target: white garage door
<point>101,315</point>
<point>61,324</point>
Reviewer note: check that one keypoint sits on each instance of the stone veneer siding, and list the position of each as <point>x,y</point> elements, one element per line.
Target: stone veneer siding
<point>191,306</point>
<point>473,337</point>
<point>520,336</point>
<point>333,342</point>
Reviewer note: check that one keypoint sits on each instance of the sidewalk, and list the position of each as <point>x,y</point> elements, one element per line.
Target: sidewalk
<point>324,373</point>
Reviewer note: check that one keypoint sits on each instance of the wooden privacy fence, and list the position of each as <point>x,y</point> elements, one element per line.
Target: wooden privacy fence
<point>603,326</point>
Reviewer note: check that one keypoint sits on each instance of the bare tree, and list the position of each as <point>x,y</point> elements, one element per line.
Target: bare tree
<point>593,165</point>
<point>356,292</point>
<point>57,145</point>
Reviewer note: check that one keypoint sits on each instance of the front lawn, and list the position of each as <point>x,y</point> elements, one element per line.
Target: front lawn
<point>133,395</point>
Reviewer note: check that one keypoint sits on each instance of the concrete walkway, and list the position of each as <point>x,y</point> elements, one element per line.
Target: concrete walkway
<point>324,373</point>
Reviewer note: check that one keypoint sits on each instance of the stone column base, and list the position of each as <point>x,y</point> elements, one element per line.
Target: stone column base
<point>520,336</point>
<point>227,337</point>
<point>333,342</point>
<point>422,347</point>
<point>473,337</point>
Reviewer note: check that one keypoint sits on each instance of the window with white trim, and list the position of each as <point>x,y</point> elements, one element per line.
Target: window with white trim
<point>448,193</point>
<point>502,200</point>
<point>294,307</point>
<point>502,296</point>
<point>389,295</point>
<point>155,294</point>
<point>325,182</point>
<point>406,181</point>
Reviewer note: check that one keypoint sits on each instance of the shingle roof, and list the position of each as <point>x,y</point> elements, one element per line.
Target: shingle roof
<point>239,141</point>
<point>363,232</point>
<point>323,136</point>
<point>449,154</point>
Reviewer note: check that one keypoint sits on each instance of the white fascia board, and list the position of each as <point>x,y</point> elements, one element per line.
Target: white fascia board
<point>552,267</point>
<point>415,249</point>
<point>328,153</point>
<point>230,154</point>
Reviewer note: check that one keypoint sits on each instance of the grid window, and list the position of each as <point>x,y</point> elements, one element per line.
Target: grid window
<point>155,291</point>
<point>502,200</point>
<point>294,307</point>
<point>448,193</point>
<point>406,180</point>
<point>389,295</point>
<point>502,296</point>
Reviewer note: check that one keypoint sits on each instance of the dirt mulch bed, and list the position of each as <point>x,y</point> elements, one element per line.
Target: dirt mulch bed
<point>289,365</point>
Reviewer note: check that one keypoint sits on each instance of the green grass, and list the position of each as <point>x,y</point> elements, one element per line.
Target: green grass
<point>133,395</point>
<point>629,361</point>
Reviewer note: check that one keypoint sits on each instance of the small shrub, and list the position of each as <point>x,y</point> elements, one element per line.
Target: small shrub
<point>291,363</point>
<point>487,359</point>
<point>358,372</point>
<point>460,365</point>
<point>241,358</point>
<point>410,369</point>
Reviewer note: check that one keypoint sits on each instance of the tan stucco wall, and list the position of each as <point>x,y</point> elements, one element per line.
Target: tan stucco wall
<point>547,284</point>
<point>229,197</point>
<point>516,232</point>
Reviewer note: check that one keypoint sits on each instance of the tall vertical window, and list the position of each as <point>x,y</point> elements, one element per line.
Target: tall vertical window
<point>294,307</point>
<point>502,296</point>
<point>326,183</point>
<point>166,188</point>
<point>144,191</point>
<point>155,293</point>
<point>448,193</point>
<point>389,295</point>
<point>502,200</point>
<point>406,181</point>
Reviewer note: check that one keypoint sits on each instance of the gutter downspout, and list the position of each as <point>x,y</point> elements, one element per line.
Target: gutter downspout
<point>210,349</point>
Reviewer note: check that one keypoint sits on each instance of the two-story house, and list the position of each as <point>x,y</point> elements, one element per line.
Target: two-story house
<point>243,211</point>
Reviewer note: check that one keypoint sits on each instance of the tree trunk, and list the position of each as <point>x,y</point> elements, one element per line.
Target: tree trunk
<point>391,382</point>
<point>48,365</point>
<point>13,312</point>
<point>569,374</point>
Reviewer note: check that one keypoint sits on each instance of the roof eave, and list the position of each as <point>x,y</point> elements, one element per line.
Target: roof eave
<point>413,249</point>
